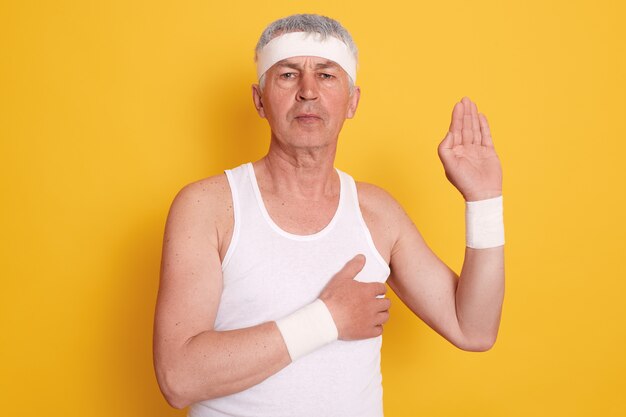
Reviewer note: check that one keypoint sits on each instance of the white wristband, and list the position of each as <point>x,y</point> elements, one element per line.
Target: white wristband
<point>307,329</point>
<point>484,223</point>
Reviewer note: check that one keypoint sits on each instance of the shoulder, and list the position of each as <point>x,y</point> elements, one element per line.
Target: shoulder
<point>208,194</point>
<point>383,216</point>
<point>377,201</point>
<point>204,207</point>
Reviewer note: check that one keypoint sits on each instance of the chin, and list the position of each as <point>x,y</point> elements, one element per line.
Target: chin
<point>309,141</point>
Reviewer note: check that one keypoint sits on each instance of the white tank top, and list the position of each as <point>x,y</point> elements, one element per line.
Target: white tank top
<point>269,273</point>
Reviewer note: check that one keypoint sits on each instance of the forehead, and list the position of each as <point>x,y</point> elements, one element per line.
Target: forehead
<point>307,61</point>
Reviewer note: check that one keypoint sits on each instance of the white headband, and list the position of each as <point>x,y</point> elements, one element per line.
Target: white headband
<point>305,44</point>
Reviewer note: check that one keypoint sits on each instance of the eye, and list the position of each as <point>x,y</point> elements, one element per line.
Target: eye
<point>326,76</point>
<point>288,75</point>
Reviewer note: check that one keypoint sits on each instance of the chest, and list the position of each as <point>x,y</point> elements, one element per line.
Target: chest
<point>299,216</point>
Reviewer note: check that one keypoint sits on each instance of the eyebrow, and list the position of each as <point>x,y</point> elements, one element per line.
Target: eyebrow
<point>322,65</point>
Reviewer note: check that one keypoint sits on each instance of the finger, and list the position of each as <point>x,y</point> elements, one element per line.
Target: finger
<point>456,125</point>
<point>353,267</point>
<point>475,124</point>
<point>384,304</point>
<point>377,289</point>
<point>447,142</point>
<point>382,317</point>
<point>466,132</point>
<point>485,131</point>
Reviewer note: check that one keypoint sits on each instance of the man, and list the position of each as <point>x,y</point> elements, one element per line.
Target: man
<point>271,301</point>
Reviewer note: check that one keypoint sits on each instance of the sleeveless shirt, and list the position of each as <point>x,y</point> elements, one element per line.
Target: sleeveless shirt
<point>269,273</point>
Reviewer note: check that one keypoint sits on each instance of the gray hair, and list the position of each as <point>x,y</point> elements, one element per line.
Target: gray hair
<point>309,23</point>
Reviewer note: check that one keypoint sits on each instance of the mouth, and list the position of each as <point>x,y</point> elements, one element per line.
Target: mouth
<point>308,117</point>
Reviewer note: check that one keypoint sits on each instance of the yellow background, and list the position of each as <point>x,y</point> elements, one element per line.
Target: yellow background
<point>109,108</point>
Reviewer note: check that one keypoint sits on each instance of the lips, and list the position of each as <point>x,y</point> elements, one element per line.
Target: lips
<point>307,116</point>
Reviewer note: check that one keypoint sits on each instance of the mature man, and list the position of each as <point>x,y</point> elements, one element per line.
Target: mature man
<point>271,301</point>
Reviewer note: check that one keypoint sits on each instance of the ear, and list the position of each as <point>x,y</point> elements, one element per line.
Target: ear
<point>353,102</point>
<point>258,101</point>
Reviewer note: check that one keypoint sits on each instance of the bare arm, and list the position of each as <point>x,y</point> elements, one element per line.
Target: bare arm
<point>193,361</point>
<point>466,309</point>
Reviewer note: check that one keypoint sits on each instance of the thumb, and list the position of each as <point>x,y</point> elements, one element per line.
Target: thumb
<point>444,150</point>
<point>447,142</point>
<point>353,267</point>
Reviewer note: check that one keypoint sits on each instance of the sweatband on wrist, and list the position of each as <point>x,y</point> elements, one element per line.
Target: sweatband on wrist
<point>307,329</point>
<point>484,223</point>
<point>293,44</point>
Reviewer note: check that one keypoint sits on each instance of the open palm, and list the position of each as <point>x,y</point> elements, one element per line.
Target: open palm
<point>468,155</point>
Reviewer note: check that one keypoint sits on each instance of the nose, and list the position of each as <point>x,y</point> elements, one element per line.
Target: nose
<point>307,89</point>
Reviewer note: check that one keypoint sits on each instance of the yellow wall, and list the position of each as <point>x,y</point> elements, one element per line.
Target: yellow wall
<point>109,108</point>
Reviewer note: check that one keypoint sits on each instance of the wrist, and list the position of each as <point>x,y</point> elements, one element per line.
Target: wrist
<point>307,329</point>
<point>482,195</point>
<point>484,223</point>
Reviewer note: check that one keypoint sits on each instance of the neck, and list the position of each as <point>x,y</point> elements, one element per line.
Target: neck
<point>302,172</point>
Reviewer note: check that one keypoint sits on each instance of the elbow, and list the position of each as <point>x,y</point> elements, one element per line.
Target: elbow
<point>479,344</point>
<point>172,391</point>
<point>179,393</point>
<point>175,400</point>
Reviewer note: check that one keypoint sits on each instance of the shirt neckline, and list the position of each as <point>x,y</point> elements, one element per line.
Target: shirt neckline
<point>293,236</point>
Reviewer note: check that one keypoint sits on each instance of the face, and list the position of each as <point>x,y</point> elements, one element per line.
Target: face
<point>306,100</point>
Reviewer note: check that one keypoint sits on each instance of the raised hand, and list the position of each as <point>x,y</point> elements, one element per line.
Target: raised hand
<point>468,155</point>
